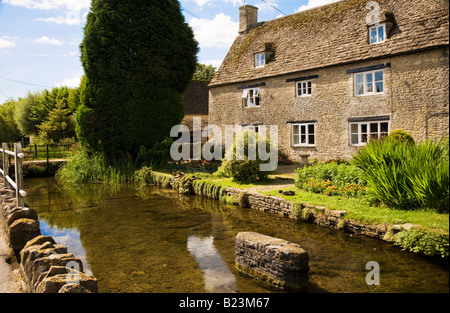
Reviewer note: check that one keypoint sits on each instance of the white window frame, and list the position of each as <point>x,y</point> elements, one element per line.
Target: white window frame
<point>365,136</point>
<point>366,84</point>
<point>251,98</point>
<point>254,128</point>
<point>260,60</point>
<point>300,134</point>
<point>378,38</point>
<point>304,88</point>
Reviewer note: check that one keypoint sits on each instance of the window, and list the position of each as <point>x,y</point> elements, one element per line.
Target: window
<point>304,134</point>
<point>361,133</point>
<point>250,98</point>
<point>369,83</point>
<point>260,60</point>
<point>377,34</point>
<point>304,88</point>
<point>254,128</point>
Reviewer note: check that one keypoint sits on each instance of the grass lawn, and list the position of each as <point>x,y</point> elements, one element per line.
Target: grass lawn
<point>357,208</point>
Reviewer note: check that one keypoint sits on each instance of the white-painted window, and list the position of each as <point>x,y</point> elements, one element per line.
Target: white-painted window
<point>304,88</point>
<point>250,98</point>
<point>260,60</point>
<point>377,34</point>
<point>369,83</point>
<point>362,132</point>
<point>254,128</point>
<point>303,135</point>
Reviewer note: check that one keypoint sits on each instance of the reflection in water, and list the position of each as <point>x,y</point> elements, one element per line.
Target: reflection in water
<point>153,240</point>
<point>69,238</point>
<point>218,277</point>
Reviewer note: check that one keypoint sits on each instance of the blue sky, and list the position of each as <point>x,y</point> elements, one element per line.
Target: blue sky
<point>39,39</point>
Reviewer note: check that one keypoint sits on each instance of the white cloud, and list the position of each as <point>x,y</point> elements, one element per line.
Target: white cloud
<point>201,3</point>
<point>68,20</point>
<point>75,10</point>
<point>49,41</point>
<point>6,44</point>
<point>71,5</point>
<point>314,3</point>
<point>215,63</point>
<point>219,32</point>
<point>73,82</point>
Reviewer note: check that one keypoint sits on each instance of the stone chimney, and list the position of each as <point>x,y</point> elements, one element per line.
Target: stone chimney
<point>248,18</point>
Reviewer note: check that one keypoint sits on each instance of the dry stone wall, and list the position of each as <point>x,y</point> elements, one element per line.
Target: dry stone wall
<point>45,266</point>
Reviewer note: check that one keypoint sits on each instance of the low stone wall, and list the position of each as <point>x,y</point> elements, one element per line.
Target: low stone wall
<point>275,262</point>
<point>305,212</point>
<point>45,266</point>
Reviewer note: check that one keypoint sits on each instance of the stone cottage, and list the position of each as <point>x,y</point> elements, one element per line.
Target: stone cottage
<point>338,75</point>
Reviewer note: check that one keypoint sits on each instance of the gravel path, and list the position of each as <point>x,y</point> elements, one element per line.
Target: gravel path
<point>10,281</point>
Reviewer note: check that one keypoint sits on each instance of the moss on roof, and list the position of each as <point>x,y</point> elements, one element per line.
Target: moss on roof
<point>332,34</point>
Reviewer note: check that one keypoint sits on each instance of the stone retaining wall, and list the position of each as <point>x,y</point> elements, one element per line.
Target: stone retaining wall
<point>305,212</point>
<point>45,266</point>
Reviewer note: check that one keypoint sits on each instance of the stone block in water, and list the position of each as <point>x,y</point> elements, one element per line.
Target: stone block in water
<point>275,262</point>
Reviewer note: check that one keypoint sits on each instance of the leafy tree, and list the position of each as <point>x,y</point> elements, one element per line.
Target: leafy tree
<point>139,56</point>
<point>8,128</point>
<point>35,108</point>
<point>59,125</point>
<point>47,103</point>
<point>204,72</point>
<point>23,114</point>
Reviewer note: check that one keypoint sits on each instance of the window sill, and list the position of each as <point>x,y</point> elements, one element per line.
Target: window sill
<point>303,146</point>
<point>370,94</point>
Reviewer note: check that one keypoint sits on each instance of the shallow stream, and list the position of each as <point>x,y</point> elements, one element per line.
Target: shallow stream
<point>153,240</point>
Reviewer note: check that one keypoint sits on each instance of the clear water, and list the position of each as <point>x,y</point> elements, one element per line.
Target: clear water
<point>152,240</point>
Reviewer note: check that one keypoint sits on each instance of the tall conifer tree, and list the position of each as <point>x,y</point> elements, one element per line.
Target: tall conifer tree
<point>139,57</point>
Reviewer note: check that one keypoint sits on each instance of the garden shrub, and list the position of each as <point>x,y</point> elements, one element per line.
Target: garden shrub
<point>401,135</point>
<point>244,171</point>
<point>420,240</point>
<point>406,176</point>
<point>333,179</point>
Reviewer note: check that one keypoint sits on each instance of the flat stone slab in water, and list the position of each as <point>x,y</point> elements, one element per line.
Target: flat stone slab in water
<point>275,262</point>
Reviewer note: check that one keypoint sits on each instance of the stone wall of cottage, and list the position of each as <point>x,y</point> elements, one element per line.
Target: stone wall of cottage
<point>416,99</point>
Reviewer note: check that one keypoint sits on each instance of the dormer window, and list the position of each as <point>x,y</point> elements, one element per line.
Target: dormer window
<point>260,60</point>
<point>377,34</point>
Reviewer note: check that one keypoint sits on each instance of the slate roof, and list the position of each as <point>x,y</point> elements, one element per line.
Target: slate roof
<point>334,34</point>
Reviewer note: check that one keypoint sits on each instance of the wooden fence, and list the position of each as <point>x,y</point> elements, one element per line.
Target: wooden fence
<point>17,182</point>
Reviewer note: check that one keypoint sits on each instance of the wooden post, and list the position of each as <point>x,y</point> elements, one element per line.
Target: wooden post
<point>5,163</point>
<point>18,174</point>
<point>48,163</point>
<point>35,151</point>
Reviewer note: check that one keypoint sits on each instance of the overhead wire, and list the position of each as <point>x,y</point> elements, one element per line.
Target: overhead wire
<point>274,7</point>
<point>24,83</point>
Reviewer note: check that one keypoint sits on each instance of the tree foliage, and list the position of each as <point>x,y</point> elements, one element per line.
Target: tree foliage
<point>35,109</point>
<point>139,57</point>
<point>204,72</point>
<point>8,128</point>
<point>59,125</point>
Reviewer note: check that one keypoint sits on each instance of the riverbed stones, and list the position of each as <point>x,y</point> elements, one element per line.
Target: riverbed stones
<point>274,262</point>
